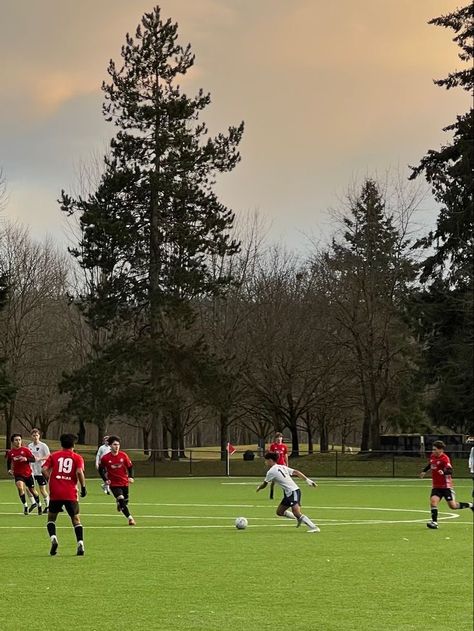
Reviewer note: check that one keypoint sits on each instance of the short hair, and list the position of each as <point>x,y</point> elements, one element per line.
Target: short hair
<point>278,435</point>
<point>113,439</point>
<point>271,455</point>
<point>13,436</point>
<point>67,440</point>
<point>35,429</point>
<point>439,444</point>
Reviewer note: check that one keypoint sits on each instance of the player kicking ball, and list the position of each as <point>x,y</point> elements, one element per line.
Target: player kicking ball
<point>441,474</point>
<point>281,475</point>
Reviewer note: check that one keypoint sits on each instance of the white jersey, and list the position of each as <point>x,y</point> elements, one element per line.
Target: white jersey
<point>103,449</point>
<point>40,450</point>
<point>471,460</point>
<point>281,475</point>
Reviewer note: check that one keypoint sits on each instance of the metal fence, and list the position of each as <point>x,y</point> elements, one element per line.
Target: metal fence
<point>202,463</point>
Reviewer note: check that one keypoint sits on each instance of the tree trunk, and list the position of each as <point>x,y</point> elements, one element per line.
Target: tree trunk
<point>224,434</point>
<point>81,434</point>
<point>323,437</point>
<point>146,441</point>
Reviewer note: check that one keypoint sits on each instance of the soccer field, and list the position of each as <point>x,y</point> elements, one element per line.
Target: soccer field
<point>374,565</point>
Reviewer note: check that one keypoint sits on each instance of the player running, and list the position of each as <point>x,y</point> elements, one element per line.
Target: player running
<point>117,469</point>
<point>64,469</point>
<point>291,492</point>
<point>19,459</point>
<point>441,474</point>
<point>40,451</point>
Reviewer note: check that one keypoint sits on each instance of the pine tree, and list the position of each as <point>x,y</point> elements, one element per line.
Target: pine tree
<point>444,309</point>
<point>367,274</point>
<point>154,224</point>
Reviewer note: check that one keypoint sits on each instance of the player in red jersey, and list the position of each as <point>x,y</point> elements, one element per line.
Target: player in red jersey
<point>18,465</point>
<point>117,468</point>
<point>64,469</point>
<point>441,474</point>
<point>278,447</point>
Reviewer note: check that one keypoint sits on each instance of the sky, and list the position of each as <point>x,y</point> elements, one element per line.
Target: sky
<point>330,93</point>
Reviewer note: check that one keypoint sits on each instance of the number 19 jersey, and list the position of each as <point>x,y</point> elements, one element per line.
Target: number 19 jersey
<point>63,477</point>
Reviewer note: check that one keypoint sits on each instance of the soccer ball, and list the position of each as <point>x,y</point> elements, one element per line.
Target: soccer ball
<point>241,523</point>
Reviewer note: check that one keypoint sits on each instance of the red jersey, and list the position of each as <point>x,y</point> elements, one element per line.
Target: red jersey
<point>281,450</point>
<point>437,465</point>
<point>63,477</point>
<point>20,467</point>
<point>117,467</point>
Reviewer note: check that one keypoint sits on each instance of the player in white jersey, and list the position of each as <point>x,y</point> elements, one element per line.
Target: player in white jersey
<point>281,475</point>
<point>40,451</point>
<point>103,449</point>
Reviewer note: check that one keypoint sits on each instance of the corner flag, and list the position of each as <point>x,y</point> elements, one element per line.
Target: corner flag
<point>230,449</point>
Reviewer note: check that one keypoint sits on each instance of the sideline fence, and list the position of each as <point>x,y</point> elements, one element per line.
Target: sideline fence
<point>202,463</point>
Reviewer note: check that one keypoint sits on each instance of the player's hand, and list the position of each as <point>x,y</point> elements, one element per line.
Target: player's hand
<point>310,482</point>
<point>259,488</point>
<point>131,480</point>
<point>10,472</point>
<point>422,474</point>
<point>83,491</point>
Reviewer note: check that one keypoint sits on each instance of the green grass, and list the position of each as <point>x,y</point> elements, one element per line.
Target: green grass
<point>184,567</point>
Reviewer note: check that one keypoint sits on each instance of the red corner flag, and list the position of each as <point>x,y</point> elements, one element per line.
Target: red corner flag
<point>230,449</point>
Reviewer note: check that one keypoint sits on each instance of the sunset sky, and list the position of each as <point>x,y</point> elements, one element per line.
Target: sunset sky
<point>329,91</point>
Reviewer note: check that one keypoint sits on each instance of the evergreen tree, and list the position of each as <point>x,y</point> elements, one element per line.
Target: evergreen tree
<point>154,224</point>
<point>444,309</point>
<point>367,274</point>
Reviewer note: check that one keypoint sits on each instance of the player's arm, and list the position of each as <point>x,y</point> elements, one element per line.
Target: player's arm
<point>102,472</point>
<point>131,477</point>
<point>301,475</point>
<point>262,486</point>
<point>81,478</point>
<point>9,465</point>
<point>425,470</point>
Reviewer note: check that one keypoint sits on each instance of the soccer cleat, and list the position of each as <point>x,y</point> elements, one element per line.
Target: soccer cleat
<point>315,529</point>
<point>432,524</point>
<point>25,510</point>
<point>80,549</point>
<point>40,510</point>
<point>45,509</point>
<point>32,507</point>
<point>54,546</point>
<point>131,521</point>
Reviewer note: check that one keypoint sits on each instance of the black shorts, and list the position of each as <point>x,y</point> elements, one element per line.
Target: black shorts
<point>291,500</point>
<point>27,481</point>
<point>41,480</point>
<point>120,490</point>
<point>448,494</point>
<point>71,506</point>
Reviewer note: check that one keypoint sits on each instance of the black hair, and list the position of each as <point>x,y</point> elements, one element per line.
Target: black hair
<point>113,439</point>
<point>271,455</point>
<point>14,436</point>
<point>67,440</point>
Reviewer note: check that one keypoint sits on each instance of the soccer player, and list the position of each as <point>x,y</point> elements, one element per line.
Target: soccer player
<point>18,465</point>
<point>117,469</point>
<point>64,469</point>
<point>281,474</point>
<point>40,451</point>
<point>103,449</point>
<point>278,447</point>
<point>441,474</point>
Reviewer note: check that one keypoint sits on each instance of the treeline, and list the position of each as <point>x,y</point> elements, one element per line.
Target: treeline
<point>169,318</point>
